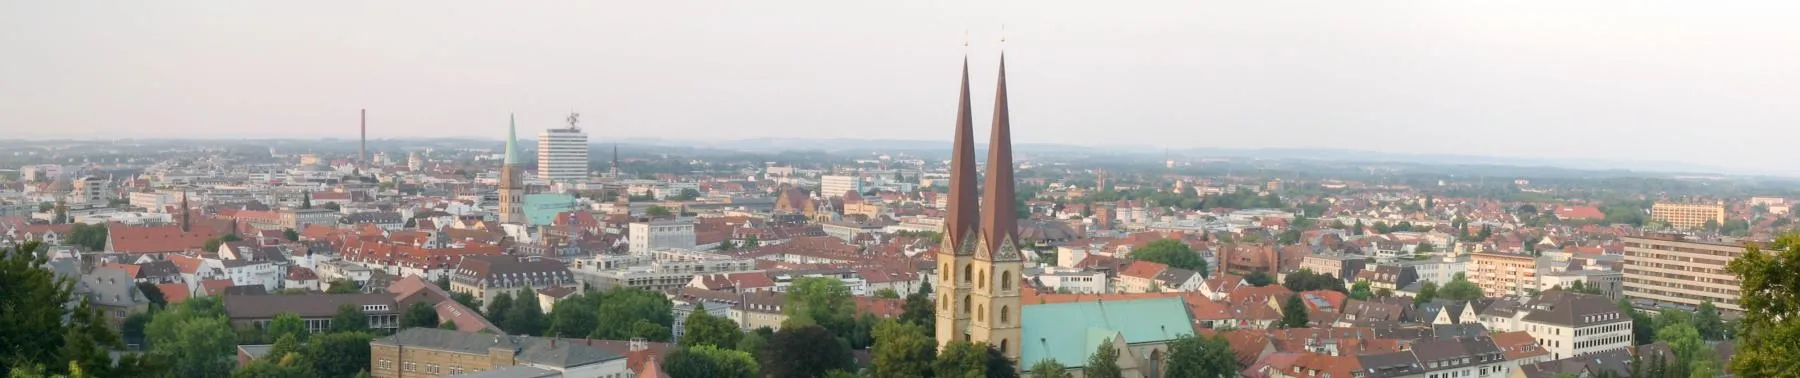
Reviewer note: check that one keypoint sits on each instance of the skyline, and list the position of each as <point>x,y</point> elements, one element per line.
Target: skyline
<point>1540,80</point>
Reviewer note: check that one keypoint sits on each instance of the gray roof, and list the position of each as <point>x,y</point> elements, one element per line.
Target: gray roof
<point>1175,275</point>
<point>536,350</point>
<point>255,351</point>
<point>1451,331</point>
<point>1449,353</point>
<point>1574,310</point>
<point>1616,361</point>
<point>158,269</point>
<point>305,305</point>
<point>110,287</point>
<point>513,372</point>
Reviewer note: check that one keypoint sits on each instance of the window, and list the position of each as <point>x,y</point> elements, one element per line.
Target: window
<point>412,366</point>
<point>384,364</point>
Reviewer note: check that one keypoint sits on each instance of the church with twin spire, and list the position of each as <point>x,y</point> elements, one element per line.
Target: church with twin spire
<point>979,262</point>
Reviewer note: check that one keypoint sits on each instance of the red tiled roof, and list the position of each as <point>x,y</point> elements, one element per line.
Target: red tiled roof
<point>174,293</point>
<point>131,270</point>
<point>1143,269</point>
<point>880,307</point>
<point>215,287</point>
<point>300,273</point>
<point>156,239</point>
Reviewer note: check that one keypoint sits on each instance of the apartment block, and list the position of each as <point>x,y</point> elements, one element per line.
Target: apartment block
<point>1688,215</point>
<point>1672,269</point>
<point>1502,274</point>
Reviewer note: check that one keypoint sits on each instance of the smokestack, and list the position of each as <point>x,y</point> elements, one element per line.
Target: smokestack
<point>362,149</point>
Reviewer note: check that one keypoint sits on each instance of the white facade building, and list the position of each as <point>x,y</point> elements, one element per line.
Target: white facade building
<point>562,155</point>
<point>836,186</point>
<point>657,235</point>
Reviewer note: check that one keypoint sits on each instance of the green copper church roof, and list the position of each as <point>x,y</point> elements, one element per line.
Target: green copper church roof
<point>1069,332</point>
<point>512,140</point>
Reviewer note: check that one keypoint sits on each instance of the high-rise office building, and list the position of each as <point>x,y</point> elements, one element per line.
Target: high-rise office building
<point>1688,215</point>
<point>1670,268</point>
<point>563,153</point>
<point>837,186</point>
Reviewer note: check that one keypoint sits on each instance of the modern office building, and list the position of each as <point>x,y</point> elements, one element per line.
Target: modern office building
<point>1688,215</point>
<point>563,154</point>
<point>658,235</point>
<point>1673,269</point>
<point>836,186</point>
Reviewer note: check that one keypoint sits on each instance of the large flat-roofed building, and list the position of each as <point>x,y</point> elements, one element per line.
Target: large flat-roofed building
<point>563,154</point>
<point>657,235</point>
<point>1671,269</point>
<point>836,186</point>
<point>1501,274</point>
<point>1688,215</point>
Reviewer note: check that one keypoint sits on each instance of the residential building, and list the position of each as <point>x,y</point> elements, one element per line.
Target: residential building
<point>648,236</point>
<point>91,190</point>
<point>1673,269</point>
<point>114,293</point>
<point>682,310</point>
<point>439,352</point>
<point>1503,274</point>
<point>1338,265</point>
<point>316,310</point>
<point>1688,215</point>
<point>563,154</point>
<point>298,219</point>
<point>1440,358</point>
<point>1563,323</point>
<point>487,276</point>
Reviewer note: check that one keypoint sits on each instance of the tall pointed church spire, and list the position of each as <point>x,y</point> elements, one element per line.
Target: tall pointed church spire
<point>999,219</point>
<point>512,140</point>
<point>961,222</point>
<point>185,213</point>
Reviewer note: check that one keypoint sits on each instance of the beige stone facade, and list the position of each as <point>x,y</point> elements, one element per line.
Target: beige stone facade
<point>1688,215</point>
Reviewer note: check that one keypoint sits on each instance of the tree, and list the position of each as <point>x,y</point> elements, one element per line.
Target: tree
<point>1191,356</point>
<point>1259,279</point>
<point>419,314</point>
<point>963,359</point>
<point>154,294</point>
<point>1049,368</point>
<point>1460,289</point>
<point>725,246</point>
<point>1293,313</point>
<point>1307,280</point>
<point>349,318</point>
<point>339,354</point>
<point>902,350</point>
<point>1384,292</point>
<point>1104,363</point>
<point>1643,328</point>
<point>499,308</point>
<point>33,332</point>
<point>343,286</point>
<point>918,310</point>
<point>333,206</point>
<point>1357,229</point>
<point>195,345</point>
<point>1173,253</point>
<point>658,211</point>
<point>526,317</point>
<point>821,300</point>
<point>887,293</point>
<point>1427,293</point>
<point>305,199</point>
<point>1360,291</point>
<point>575,315</point>
<point>290,234</point>
<point>1769,331</point>
<point>750,242</point>
<point>467,300</point>
<point>1708,322</point>
<point>754,341</point>
<point>1425,247</point>
<point>702,328</point>
<point>704,361</point>
<point>287,324</point>
<point>1487,231</point>
<point>623,313</point>
<point>92,237</point>
<point>805,351</point>
<point>1688,347</point>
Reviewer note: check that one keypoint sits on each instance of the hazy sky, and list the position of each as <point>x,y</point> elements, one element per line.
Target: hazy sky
<point>1716,82</point>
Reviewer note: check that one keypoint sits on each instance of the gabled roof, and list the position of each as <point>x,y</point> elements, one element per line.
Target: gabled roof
<point>1143,269</point>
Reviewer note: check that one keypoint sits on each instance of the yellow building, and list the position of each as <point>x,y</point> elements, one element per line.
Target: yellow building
<point>1673,269</point>
<point>1688,215</point>
<point>1501,274</point>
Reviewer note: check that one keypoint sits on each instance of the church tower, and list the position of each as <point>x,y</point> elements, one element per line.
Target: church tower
<point>956,255</point>
<point>512,184</point>
<point>997,260</point>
